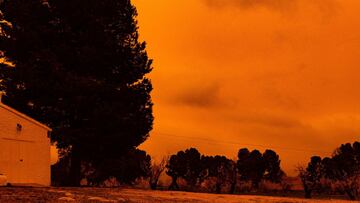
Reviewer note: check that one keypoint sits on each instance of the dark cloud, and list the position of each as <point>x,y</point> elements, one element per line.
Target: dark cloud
<point>325,7</point>
<point>200,96</point>
<point>275,4</point>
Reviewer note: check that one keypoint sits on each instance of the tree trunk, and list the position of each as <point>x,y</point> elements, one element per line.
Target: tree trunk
<point>233,188</point>
<point>233,181</point>
<point>75,169</point>
<point>256,184</point>
<point>218,188</point>
<point>307,192</point>
<point>350,194</point>
<point>153,184</point>
<point>174,185</point>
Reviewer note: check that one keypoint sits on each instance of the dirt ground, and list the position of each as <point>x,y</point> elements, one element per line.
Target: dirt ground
<point>27,194</point>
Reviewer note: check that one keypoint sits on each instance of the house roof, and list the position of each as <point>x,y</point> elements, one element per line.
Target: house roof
<point>8,108</point>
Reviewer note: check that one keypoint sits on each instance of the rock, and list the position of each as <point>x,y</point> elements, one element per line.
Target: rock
<point>68,194</point>
<point>67,199</point>
<point>100,199</point>
<point>120,199</point>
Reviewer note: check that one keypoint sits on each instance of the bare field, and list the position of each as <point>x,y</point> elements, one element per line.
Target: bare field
<point>27,194</point>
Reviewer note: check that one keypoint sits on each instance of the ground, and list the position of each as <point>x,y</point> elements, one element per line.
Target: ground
<point>27,194</point>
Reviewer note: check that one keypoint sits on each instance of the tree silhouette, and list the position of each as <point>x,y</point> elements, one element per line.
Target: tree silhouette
<point>187,165</point>
<point>251,166</point>
<point>78,67</point>
<point>59,170</point>
<point>273,171</point>
<point>254,166</point>
<point>155,172</point>
<point>344,168</point>
<point>176,168</point>
<point>221,168</point>
<point>311,176</point>
<point>233,177</point>
<point>194,166</point>
<point>126,168</point>
<point>243,170</point>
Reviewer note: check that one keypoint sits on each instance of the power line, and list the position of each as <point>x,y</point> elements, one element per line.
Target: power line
<point>213,141</point>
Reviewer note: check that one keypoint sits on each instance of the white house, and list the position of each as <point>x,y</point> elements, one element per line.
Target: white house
<point>24,148</point>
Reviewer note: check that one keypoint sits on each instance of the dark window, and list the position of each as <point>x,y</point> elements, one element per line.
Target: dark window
<point>18,127</point>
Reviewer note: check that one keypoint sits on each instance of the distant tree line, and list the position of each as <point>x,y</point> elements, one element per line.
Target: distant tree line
<point>214,173</point>
<point>192,171</point>
<point>251,166</point>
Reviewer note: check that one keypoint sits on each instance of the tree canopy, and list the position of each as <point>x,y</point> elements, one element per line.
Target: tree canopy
<point>185,164</point>
<point>196,169</point>
<point>342,169</point>
<point>220,168</point>
<point>79,67</point>
<point>254,166</point>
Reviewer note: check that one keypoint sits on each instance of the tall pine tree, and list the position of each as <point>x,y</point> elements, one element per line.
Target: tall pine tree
<point>79,67</point>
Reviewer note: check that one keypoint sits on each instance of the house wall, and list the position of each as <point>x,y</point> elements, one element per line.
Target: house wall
<point>25,153</point>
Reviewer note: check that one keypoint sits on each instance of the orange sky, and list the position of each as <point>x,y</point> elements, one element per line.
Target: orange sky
<point>238,73</point>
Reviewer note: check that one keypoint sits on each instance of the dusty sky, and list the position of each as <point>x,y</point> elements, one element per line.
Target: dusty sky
<point>260,74</point>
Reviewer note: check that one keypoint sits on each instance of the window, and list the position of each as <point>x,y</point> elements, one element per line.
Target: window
<point>18,127</point>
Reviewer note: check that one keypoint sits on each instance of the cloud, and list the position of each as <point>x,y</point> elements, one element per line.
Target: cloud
<point>325,7</point>
<point>274,4</point>
<point>200,96</point>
